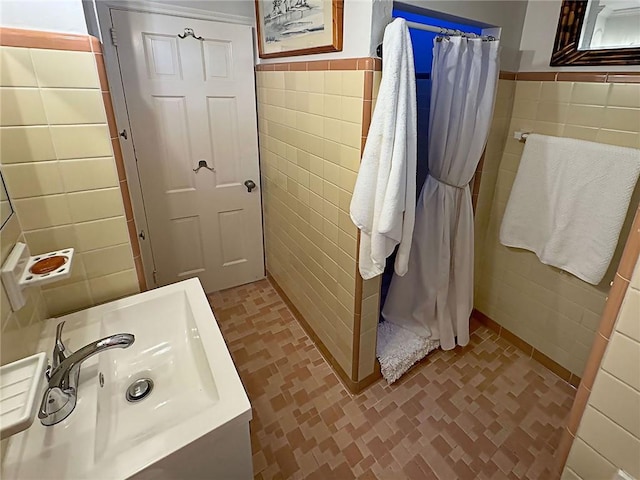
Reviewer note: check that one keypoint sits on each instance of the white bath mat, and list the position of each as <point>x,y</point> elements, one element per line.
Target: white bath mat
<point>398,349</point>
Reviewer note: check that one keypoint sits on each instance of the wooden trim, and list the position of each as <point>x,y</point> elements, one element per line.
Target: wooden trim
<point>528,349</point>
<point>366,63</point>
<point>611,311</point>
<point>16,37</point>
<point>337,18</point>
<point>352,386</point>
<point>565,47</point>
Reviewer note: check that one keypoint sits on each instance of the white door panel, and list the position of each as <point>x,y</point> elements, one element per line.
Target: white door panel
<point>190,100</point>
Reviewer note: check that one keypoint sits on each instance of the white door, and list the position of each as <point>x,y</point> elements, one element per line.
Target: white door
<point>191,101</point>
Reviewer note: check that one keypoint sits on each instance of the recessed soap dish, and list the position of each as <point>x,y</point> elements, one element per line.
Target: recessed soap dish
<point>61,269</point>
<point>21,270</point>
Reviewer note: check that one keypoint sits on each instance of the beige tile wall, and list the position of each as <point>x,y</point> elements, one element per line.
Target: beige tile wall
<point>58,164</point>
<point>609,434</point>
<point>20,330</point>
<point>488,172</point>
<point>310,126</point>
<point>552,310</point>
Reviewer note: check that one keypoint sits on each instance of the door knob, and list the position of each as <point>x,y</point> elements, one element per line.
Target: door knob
<point>250,184</point>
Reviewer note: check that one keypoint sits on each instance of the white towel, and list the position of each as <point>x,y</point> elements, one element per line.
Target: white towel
<point>569,201</point>
<point>384,197</point>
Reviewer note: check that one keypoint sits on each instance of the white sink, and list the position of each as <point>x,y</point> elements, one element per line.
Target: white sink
<point>192,424</point>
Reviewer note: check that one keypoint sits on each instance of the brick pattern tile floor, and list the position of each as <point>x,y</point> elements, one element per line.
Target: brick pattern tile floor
<point>479,412</point>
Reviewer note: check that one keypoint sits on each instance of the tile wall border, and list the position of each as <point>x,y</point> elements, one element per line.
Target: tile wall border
<point>14,37</point>
<point>520,344</point>
<point>367,112</point>
<point>593,77</point>
<point>367,63</point>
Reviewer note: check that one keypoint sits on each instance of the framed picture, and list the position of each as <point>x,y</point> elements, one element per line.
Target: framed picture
<point>298,27</point>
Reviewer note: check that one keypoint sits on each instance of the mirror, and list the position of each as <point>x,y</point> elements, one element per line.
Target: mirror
<point>5,204</point>
<point>598,32</point>
<point>611,24</point>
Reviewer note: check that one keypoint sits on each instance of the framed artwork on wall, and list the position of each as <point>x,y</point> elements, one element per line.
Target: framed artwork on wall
<point>298,27</point>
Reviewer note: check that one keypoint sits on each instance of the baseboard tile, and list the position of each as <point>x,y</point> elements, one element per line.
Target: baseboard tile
<point>356,387</point>
<point>550,364</point>
<point>352,386</point>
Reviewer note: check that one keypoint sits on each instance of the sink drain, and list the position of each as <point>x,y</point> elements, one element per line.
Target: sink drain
<point>139,389</point>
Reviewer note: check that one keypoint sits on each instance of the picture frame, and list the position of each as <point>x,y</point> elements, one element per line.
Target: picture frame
<point>298,27</point>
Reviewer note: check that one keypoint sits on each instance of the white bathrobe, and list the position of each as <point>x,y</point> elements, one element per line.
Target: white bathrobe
<point>383,202</point>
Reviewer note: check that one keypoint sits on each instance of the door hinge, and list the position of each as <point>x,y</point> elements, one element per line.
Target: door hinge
<point>142,235</point>
<point>155,277</point>
<point>114,39</point>
<point>124,134</point>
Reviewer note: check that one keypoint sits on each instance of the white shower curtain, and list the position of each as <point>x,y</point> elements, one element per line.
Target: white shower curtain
<point>435,298</point>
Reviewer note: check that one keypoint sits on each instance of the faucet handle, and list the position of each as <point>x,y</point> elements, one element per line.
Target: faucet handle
<point>59,349</point>
<point>59,343</point>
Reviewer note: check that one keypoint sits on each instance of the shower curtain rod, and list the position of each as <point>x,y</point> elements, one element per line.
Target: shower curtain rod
<point>448,31</point>
<point>443,31</point>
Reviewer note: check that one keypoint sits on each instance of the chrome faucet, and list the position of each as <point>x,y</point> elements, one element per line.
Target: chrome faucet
<point>61,395</point>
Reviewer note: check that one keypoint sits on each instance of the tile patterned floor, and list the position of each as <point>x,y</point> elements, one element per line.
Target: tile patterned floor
<point>483,411</point>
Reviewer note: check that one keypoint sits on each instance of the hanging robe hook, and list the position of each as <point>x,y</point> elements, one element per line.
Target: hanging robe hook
<point>188,32</point>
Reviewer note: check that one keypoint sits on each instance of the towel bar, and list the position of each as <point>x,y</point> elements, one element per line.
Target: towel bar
<point>521,136</point>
